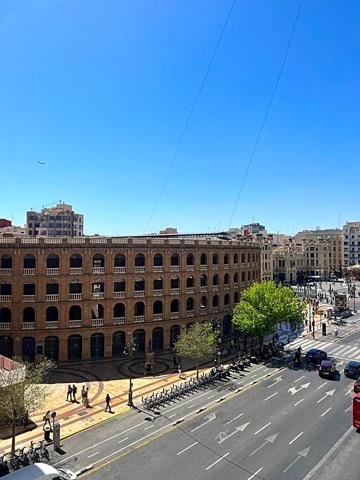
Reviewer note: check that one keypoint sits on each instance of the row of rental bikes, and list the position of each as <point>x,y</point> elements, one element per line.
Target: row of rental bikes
<point>24,457</point>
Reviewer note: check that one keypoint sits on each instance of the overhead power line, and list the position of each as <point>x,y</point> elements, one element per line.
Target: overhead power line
<point>267,111</point>
<point>190,114</point>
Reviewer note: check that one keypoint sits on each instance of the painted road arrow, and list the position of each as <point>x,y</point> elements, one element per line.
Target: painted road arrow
<point>277,380</point>
<point>330,393</point>
<point>270,439</point>
<point>208,418</point>
<point>294,390</point>
<point>224,435</point>
<point>302,454</point>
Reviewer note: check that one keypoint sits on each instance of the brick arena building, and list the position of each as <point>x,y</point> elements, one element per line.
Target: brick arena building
<point>86,298</point>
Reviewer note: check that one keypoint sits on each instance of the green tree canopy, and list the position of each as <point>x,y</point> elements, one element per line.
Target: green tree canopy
<point>197,343</point>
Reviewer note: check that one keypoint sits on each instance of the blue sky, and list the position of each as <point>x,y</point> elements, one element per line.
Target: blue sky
<point>100,90</point>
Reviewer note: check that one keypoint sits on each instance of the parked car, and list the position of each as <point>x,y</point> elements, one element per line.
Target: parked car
<point>352,369</point>
<point>357,386</point>
<point>327,369</point>
<point>314,355</point>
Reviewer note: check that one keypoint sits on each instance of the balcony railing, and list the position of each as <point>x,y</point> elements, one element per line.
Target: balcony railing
<point>190,268</point>
<point>75,296</point>
<point>28,298</point>
<point>175,268</point>
<point>5,298</point>
<point>226,287</point>
<point>215,288</point>
<point>174,315</point>
<point>227,308</point>
<point>139,293</point>
<point>29,271</point>
<point>190,313</point>
<point>203,311</point>
<point>52,271</point>
<point>5,271</point>
<point>158,293</point>
<point>157,317</point>
<point>215,267</point>
<point>75,323</point>
<point>98,269</point>
<point>5,326</point>
<point>75,270</point>
<point>203,267</point>
<point>54,297</point>
<point>139,319</point>
<point>139,269</point>
<point>175,291</point>
<point>226,266</point>
<point>119,294</point>
<point>52,324</point>
<point>119,269</point>
<point>203,289</point>
<point>98,295</point>
<point>215,309</point>
<point>28,325</point>
<point>190,290</point>
<point>97,322</point>
<point>158,268</point>
<point>119,320</point>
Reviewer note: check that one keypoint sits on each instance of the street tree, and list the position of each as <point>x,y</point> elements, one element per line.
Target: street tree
<point>198,342</point>
<point>264,305</point>
<point>22,391</point>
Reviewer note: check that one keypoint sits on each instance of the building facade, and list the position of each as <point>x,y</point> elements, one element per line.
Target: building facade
<point>58,221</point>
<point>86,298</point>
<point>351,231</point>
<point>267,258</point>
<point>289,263</point>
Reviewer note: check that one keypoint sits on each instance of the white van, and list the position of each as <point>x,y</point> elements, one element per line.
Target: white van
<point>41,471</point>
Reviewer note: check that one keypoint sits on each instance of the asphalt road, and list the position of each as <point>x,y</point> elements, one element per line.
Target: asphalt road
<point>291,424</point>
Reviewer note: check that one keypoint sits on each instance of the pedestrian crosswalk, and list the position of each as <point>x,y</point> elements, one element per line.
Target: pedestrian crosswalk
<point>343,350</point>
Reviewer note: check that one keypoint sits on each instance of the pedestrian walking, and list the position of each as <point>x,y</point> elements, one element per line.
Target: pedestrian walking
<point>86,401</point>
<point>108,403</point>
<point>69,394</point>
<point>179,370</point>
<point>46,419</point>
<point>336,331</point>
<point>83,394</point>
<point>74,392</point>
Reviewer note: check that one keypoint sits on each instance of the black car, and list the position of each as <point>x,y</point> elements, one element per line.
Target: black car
<point>314,355</point>
<point>352,369</point>
<point>327,368</point>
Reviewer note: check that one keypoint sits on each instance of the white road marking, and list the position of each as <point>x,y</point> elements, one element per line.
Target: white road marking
<point>322,385</point>
<point>326,411</point>
<point>268,440</point>
<point>268,398</point>
<point>302,454</point>
<point>211,396</point>
<point>148,428</point>
<point>298,379</point>
<point>210,418</point>
<point>93,454</point>
<point>349,408</point>
<point>217,461</point>
<point>330,393</point>
<point>262,428</point>
<point>173,415</point>
<point>235,418</point>
<point>187,448</point>
<point>254,474</point>
<point>298,403</point>
<point>193,405</point>
<point>123,439</point>
<point>349,392</point>
<point>294,439</point>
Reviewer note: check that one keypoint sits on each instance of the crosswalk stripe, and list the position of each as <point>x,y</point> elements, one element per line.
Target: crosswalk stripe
<point>345,351</point>
<point>337,349</point>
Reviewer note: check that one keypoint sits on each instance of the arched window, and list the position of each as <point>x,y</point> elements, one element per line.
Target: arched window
<point>216,279</point>
<point>139,285</point>
<point>157,307</point>
<point>158,283</point>
<point>226,259</point>
<point>249,275</point>
<point>253,257</point>
<point>6,346</point>
<point>243,258</point>
<point>174,334</point>
<point>203,302</point>
<point>243,276</point>
<point>190,259</point>
<point>97,311</point>
<point>190,282</point>
<point>119,260</point>
<point>75,312</point>
<point>189,304</point>
<point>6,261</point>
<point>236,258</point>
<point>175,259</point>
<point>175,282</point>
<point>158,260</point>
<point>174,306</point>
<point>28,314</point>
<point>139,260</point>
<point>158,339</point>
<point>52,314</point>
<point>29,289</point>
<point>76,261</point>
<point>226,279</point>
<point>236,277</point>
<point>52,288</point>
<point>203,281</point>
<point>75,287</point>
<point>215,301</point>
<point>139,309</point>
<point>74,347</point>
<point>5,289</point>
<point>120,286</point>
<point>226,299</point>
<point>52,348</point>
<point>249,257</point>
<point>118,343</point>
<point>203,259</point>
<point>215,259</point>
<point>29,261</point>
<point>98,261</point>
<point>236,297</point>
<point>119,310</point>
<point>97,345</point>
<point>52,261</point>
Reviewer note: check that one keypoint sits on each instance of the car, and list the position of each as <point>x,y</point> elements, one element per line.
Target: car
<point>357,386</point>
<point>352,369</point>
<point>327,368</point>
<point>314,355</point>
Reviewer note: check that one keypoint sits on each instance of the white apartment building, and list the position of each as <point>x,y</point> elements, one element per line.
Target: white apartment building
<point>58,221</point>
<point>351,231</point>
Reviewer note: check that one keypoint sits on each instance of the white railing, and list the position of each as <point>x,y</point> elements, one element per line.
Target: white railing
<point>189,242</point>
<point>190,313</point>
<point>226,287</point>
<point>75,296</point>
<point>75,270</point>
<point>157,241</point>
<point>215,288</point>
<point>52,271</point>
<point>226,308</point>
<point>226,265</point>
<point>98,295</point>
<point>98,240</point>
<point>5,326</point>
<point>29,271</point>
<point>76,240</point>
<point>174,315</point>
<point>139,319</point>
<point>52,324</point>
<point>175,291</point>
<point>5,271</point>
<point>203,267</point>
<point>119,269</point>
<point>54,297</point>
<point>190,268</point>
<point>28,325</point>
<point>97,322</point>
<point>98,269</point>
<point>52,240</point>
<point>215,267</point>
<point>203,289</point>
<point>190,290</point>
<point>119,320</point>
<point>157,317</point>
<point>158,293</point>
<point>7,239</point>
<point>139,269</point>
<point>119,294</point>
<point>203,311</point>
<point>158,269</point>
<point>175,268</point>
<point>215,309</point>
<point>28,298</point>
<point>139,293</point>
<point>75,323</point>
<point>5,298</point>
